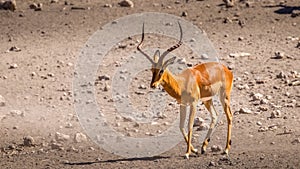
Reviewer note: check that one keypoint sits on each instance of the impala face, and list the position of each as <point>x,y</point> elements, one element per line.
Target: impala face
<point>158,64</point>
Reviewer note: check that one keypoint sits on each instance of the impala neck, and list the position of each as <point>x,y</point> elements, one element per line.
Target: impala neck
<point>171,85</point>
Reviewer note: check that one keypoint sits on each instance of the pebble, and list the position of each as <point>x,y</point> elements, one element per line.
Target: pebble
<point>241,54</point>
<point>13,66</point>
<point>107,5</point>
<point>80,137</point>
<point>126,3</point>
<point>257,96</point>
<point>36,7</point>
<point>61,137</point>
<point>245,111</point>
<point>2,101</point>
<point>56,146</point>
<point>275,114</point>
<point>28,141</point>
<point>184,14</point>
<point>15,113</point>
<point>279,55</point>
<point>142,86</point>
<point>216,148</point>
<point>14,49</point>
<point>296,141</point>
<point>103,77</point>
<point>198,121</point>
<point>8,5</point>
<point>106,87</point>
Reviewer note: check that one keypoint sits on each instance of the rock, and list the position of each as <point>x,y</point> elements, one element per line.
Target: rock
<point>13,66</point>
<point>126,3</point>
<point>296,141</point>
<point>229,3</point>
<point>54,1</point>
<point>257,96</point>
<point>281,75</point>
<point>28,141</point>
<point>36,7</point>
<point>204,56</point>
<point>198,121</point>
<point>275,114</point>
<point>203,127</point>
<point>106,87</point>
<point>80,137</point>
<point>184,14</point>
<point>15,113</point>
<point>61,137</point>
<point>212,164</point>
<point>14,49</point>
<point>142,86</point>
<point>245,111</point>
<point>181,61</point>
<point>263,129</point>
<point>295,13</point>
<point>241,54</point>
<point>216,148</point>
<point>103,77</point>
<point>8,5</point>
<point>107,6</point>
<point>278,55</point>
<point>56,146</point>
<point>2,101</point>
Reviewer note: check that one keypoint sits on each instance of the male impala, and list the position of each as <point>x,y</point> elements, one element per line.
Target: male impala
<point>200,82</point>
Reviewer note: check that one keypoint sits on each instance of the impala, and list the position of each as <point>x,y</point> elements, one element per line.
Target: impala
<point>200,82</point>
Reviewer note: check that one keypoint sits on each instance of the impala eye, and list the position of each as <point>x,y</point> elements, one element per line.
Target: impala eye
<point>161,72</point>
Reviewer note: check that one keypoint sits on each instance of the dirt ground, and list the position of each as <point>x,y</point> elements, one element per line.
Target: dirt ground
<point>36,82</point>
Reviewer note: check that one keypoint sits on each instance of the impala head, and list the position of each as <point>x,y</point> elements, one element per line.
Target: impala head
<point>158,64</point>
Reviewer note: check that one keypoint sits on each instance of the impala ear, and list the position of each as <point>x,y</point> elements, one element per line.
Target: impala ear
<point>156,56</point>
<point>169,62</point>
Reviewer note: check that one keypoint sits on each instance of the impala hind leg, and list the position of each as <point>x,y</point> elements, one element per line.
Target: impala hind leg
<point>225,100</point>
<point>214,115</point>
<point>181,126</point>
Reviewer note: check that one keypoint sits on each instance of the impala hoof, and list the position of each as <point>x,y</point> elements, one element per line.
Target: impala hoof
<point>186,156</point>
<point>203,151</point>
<point>195,151</point>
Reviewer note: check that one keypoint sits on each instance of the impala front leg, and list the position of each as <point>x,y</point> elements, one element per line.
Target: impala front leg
<point>190,128</point>
<point>181,126</point>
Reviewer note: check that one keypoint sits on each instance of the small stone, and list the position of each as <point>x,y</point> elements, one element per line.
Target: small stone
<point>261,108</point>
<point>204,56</point>
<point>142,86</point>
<point>229,3</point>
<point>278,55</point>
<point>61,137</point>
<point>14,49</point>
<point>13,66</point>
<point>198,121</point>
<point>240,38</point>
<point>80,137</point>
<point>257,96</point>
<point>245,111</point>
<point>281,75</point>
<point>181,61</point>
<point>106,87</point>
<point>264,101</point>
<point>126,3</point>
<point>212,164</point>
<point>259,123</point>
<point>216,148</point>
<point>2,101</point>
<point>296,141</point>
<point>15,113</point>
<point>103,77</point>
<point>28,141</point>
<point>107,6</point>
<point>241,54</point>
<point>54,1</point>
<point>184,14</point>
<point>56,146</point>
<point>203,127</point>
<point>276,114</point>
<point>263,129</point>
<point>8,5</point>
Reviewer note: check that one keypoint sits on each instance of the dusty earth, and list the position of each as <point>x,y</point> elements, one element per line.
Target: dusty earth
<point>38,54</point>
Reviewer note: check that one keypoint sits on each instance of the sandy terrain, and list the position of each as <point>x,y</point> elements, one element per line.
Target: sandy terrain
<point>38,55</point>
